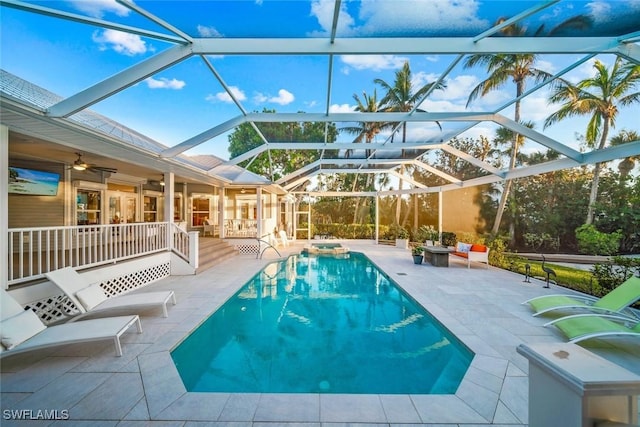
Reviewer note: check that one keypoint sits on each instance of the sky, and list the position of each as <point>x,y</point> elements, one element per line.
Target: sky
<point>184,100</point>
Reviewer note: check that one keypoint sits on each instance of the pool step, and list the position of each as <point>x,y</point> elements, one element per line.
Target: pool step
<point>213,251</point>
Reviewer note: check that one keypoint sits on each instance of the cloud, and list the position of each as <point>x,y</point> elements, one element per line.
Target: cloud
<point>125,43</point>
<point>536,108</point>
<point>599,10</point>
<point>442,106</point>
<point>373,62</point>
<point>204,31</point>
<point>98,8</point>
<point>458,88</point>
<point>341,108</point>
<point>284,97</point>
<point>225,97</point>
<point>384,18</point>
<point>164,83</point>
<point>432,16</point>
<point>323,11</point>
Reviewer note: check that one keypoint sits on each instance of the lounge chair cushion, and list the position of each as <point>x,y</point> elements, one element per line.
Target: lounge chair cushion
<point>91,296</point>
<point>478,248</point>
<point>20,328</point>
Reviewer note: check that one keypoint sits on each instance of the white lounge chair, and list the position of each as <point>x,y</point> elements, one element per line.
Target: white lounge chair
<point>23,331</point>
<point>91,300</point>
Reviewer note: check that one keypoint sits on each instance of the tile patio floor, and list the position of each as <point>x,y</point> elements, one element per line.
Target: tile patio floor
<point>142,388</point>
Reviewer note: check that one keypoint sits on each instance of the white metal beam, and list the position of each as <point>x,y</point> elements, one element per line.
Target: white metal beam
<point>119,81</point>
<point>402,45</point>
<point>155,19</point>
<point>514,19</point>
<point>371,117</point>
<point>538,137</point>
<point>406,178</point>
<point>629,149</point>
<point>203,137</point>
<point>436,172</point>
<point>469,158</point>
<point>28,7</point>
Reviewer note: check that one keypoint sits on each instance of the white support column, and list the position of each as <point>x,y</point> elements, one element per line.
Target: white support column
<point>4,198</point>
<point>309,220</point>
<point>169,193</point>
<point>222,206</point>
<point>259,213</point>
<point>377,213</point>
<point>440,215</point>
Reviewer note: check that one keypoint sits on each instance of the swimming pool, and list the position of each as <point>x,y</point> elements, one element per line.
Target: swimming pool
<point>321,324</point>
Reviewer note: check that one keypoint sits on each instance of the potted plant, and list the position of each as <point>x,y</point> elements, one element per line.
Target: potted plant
<point>400,234</point>
<point>416,252</point>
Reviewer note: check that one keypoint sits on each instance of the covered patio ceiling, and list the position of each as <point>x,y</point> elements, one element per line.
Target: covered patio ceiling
<point>349,30</point>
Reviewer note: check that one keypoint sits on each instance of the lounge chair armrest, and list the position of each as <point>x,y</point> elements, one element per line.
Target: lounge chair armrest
<point>627,321</point>
<point>583,298</point>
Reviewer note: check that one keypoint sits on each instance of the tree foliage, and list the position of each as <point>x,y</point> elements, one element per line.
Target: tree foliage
<point>274,164</point>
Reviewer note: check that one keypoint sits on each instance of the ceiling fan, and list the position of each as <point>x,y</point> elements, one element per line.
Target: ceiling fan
<point>80,165</point>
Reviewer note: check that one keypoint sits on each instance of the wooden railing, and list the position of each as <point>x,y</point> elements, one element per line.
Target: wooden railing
<point>35,251</point>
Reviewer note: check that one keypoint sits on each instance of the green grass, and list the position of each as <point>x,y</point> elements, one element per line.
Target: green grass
<point>568,277</point>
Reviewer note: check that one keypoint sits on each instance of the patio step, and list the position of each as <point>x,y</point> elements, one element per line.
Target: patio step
<point>213,251</point>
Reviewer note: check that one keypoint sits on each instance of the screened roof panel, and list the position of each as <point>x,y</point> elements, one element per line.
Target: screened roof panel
<point>188,74</point>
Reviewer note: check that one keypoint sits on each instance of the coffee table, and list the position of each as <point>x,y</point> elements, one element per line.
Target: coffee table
<point>438,256</point>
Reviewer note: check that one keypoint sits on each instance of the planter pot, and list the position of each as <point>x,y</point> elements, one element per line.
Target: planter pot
<point>417,259</point>
<point>402,243</point>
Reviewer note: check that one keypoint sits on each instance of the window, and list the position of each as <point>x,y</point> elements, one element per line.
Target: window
<point>200,210</point>
<point>177,208</point>
<point>150,209</point>
<point>88,207</point>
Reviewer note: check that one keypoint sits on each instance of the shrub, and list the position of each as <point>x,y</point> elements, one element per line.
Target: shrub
<point>497,256</point>
<point>426,232</point>
<point>448,238</point>
<point>593,242</point>
<point>610,275</point>
<point>396,231</point>
<point>539,241</point>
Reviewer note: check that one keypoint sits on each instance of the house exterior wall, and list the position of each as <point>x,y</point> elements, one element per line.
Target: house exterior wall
<point>37,211</point>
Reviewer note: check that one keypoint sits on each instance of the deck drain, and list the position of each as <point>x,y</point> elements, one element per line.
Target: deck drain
<point>401,274</point>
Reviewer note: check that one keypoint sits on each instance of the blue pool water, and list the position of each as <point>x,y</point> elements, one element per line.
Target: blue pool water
<point>322,324</point>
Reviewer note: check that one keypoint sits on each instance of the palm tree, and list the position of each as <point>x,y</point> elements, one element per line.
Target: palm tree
<point>503,68</point>
<point>517,68</point>
<point>365,132</point>
<point>628,163</point>
<point>402,96</point>
<point>598,96</point>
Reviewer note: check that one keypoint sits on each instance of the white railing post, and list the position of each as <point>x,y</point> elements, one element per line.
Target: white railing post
<point>194,236</point>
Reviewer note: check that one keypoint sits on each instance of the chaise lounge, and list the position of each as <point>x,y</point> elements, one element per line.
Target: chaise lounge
<point>581,327</point>
<point>91,300</point>
<point>618,301</point>
<point>23,331</point>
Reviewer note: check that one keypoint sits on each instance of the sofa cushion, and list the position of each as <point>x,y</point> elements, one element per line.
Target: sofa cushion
<point>461,254</point>
<point>478,248</point>
<point>463,247</point>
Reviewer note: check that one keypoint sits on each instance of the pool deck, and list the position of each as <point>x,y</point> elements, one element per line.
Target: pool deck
<point>143,388</point>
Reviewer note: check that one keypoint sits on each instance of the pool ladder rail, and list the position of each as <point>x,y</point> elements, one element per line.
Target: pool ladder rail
<point>268,245</point>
